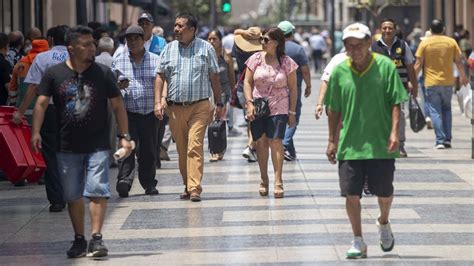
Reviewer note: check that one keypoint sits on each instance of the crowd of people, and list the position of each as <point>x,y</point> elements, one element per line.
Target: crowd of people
<point>86,94</point>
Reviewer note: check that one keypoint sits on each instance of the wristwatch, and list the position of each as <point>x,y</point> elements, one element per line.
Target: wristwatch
<point>125,136</point>
<point>291,113</point>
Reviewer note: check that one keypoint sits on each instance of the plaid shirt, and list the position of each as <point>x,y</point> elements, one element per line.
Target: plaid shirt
<point>187,70</point>
<point>139,97</point>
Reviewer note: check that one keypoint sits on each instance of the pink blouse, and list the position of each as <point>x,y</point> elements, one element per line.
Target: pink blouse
<point>266,76</point>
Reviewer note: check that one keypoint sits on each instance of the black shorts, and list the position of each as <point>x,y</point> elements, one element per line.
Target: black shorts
<point>379,172</point>
<point>273,126</point>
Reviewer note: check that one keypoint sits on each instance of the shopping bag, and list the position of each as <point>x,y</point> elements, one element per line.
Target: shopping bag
<point>417,119</point>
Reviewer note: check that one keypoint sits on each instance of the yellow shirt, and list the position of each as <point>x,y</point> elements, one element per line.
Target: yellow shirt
<point>439,53</point>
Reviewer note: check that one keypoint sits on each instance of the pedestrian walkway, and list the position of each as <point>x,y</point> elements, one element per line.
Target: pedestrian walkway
<point>432,215</point>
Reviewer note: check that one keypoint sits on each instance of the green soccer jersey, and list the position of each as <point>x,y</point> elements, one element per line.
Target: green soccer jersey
<point>365,100</point>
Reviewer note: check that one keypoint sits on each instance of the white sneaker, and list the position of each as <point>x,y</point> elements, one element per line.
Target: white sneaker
<point>439,147</point>
<point>386,237</point>
<point>250,155</point>
<point>358,249</point>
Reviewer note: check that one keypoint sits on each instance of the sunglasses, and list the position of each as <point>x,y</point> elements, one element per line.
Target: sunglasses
<point>264,39</point>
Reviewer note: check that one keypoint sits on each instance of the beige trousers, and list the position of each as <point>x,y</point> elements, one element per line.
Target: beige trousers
<point>188,126</point>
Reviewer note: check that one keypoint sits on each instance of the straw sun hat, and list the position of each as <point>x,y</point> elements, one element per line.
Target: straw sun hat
<point>248,40</point>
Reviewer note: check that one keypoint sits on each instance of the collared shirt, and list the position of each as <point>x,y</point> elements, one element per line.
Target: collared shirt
<point>139,97</point>
<point>104,58</point>
<point>187,70</point>
<point>45,60</point>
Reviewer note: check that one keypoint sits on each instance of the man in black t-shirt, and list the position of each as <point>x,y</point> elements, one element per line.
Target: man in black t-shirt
<point>80,89</point>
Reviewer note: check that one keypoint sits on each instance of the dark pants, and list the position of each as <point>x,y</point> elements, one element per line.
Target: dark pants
<point>160,132</point>
<point>318,58</point>
<point>49,133</point>
<point>143,131</point>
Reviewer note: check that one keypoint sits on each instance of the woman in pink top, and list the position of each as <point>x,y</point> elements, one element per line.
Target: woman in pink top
<point>271,74</point>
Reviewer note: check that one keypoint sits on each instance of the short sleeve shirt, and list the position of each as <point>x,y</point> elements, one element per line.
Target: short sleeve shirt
<point>187,70</point>
<point>335,60</point>
<point>43,61</point>
<point>81,104</point>
<point>365,101</point>
<point>271,81</point>
<point>139,96</point>
<point>297,53</point>
<point>439,53</point>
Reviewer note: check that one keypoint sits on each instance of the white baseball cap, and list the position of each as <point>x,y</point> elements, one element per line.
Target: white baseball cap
<point>356,30</point>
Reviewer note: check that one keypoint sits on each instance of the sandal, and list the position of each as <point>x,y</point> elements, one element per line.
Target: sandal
<point>278,191</point>
<point>263,190</point>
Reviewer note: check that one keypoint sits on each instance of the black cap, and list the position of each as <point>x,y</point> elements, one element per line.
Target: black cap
<point>134,29</point>
<point>146,16</point>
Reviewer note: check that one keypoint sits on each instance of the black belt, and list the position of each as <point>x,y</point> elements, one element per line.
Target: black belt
<point>186,103</point>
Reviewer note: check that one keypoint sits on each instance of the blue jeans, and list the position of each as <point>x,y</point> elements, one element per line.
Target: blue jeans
<point>290,131</point>
<point>439,98</point>
<point>84,174</point>
<point>426,103</point>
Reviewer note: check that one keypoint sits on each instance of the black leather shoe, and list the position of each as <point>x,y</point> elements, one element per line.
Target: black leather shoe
<point>151,191</point>
<point>122,189</point>
<point>56,207</point>
<point>195,197</point>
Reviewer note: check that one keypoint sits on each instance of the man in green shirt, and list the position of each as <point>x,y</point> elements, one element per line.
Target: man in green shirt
<point>365,92</point>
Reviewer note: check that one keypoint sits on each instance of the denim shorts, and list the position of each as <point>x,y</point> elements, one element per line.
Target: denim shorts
<point>273,126</point>
<point>84,175</point>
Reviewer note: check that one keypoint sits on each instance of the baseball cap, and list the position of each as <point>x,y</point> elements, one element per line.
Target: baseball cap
<point>286,27</point>
<point>134,29</point>
<point>356,30</point>
<point>146,16</point>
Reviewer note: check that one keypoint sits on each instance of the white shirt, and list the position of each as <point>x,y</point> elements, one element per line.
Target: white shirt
<point>335,61</point>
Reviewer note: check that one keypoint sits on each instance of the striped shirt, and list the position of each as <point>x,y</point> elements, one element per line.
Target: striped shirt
<point>187,70</point>
<point>139,96</point>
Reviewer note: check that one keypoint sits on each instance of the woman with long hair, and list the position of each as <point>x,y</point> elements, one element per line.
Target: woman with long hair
<point>271,74</point>
<point>226,77</point>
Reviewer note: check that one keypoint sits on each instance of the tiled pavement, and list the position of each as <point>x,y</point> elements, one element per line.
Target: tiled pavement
<point>432,214</point>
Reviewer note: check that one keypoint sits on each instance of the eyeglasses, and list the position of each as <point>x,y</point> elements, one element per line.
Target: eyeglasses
<point>264,39</point>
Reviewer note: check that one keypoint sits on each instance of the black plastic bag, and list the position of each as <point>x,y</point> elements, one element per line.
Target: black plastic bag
<point>417,119</point>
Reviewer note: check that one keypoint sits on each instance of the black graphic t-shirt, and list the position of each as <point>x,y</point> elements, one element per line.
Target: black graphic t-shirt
<point>81,104</point>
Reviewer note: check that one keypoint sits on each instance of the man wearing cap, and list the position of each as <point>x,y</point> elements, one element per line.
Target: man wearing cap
<point>247,42</point>
<point>297,53</point>
<point>154,44</point>
<point>365,92</point>
<point>400,53</point>
<point>436,55</point>
<point>136,68</point>
<point>189,66</point>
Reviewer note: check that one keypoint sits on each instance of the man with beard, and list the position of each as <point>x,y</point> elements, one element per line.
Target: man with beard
<point>83,136</point>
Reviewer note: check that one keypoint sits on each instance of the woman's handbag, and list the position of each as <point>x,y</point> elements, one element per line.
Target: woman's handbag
<point>417,119</point>
<point>262,109</point>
